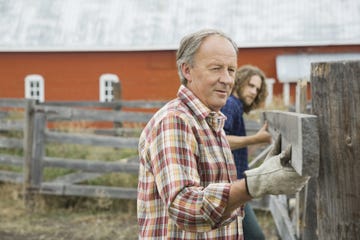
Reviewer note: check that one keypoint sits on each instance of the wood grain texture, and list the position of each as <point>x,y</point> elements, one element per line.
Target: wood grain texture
<point>299,130</point>
<point>336,102</point>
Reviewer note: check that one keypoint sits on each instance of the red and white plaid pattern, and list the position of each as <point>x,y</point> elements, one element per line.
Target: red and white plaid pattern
<point>186,168</point>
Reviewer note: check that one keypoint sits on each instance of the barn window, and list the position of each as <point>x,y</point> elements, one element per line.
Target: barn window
<point>34,87</point>
<point>106,86</point>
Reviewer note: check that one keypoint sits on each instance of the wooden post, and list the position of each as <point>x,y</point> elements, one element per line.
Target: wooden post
<point>38,150</point>
<point>117,93</point>
<point>300,107</point>
<point>336,102</point>
<point>28,151</point>
<point>301,96</point>
<point>299,130</point>
<point>306,224</point>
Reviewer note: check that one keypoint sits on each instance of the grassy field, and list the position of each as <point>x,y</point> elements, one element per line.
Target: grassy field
<point>79,218</point>
<point>65,218</point>
<point>76,218</point>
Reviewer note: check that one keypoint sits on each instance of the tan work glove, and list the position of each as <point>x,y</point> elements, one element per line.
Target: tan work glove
<point>275,175</point>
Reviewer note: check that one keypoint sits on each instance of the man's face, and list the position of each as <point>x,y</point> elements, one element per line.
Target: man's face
<point>212,76</point>
<point>251,90</point>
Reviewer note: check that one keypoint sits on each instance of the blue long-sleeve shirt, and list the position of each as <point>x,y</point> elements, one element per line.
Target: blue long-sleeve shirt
<point>235,125</point>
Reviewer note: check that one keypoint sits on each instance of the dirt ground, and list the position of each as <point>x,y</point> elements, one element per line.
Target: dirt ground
<point>78,219</point>
<point>44,228</point>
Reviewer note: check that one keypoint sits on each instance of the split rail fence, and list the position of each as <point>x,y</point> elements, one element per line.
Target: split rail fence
<point>37,134</point>
<point>324,146</point>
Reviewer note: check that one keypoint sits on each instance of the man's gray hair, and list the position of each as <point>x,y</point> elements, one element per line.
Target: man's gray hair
<point>190,44</point>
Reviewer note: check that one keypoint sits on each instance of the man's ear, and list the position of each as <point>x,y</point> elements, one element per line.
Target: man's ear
<point>185,68</point>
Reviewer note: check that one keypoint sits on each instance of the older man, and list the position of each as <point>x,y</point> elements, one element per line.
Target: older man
<point>188,187</point>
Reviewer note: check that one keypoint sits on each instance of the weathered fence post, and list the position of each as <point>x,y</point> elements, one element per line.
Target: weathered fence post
<point>117,93</point>
<point>28,149</point>
<point>301,96</point>
<point>301,131</point>
<point>306,224</point>
<point>336,102</point>
<point>38,150</point>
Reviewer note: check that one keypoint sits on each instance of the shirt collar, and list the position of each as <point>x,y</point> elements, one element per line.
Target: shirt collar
<point>215,119</point>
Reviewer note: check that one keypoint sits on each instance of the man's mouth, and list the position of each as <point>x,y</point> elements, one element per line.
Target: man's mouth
<point>222,92</point>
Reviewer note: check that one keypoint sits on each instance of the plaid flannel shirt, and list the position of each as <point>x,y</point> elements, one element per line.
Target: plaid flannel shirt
<point>186,168</point>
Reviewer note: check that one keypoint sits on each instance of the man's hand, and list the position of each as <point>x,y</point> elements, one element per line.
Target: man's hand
<point>275,176</point>
<point>263,136</point>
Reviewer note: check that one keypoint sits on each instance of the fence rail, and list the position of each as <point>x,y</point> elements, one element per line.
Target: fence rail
<point>335,88</point>
<point>37,133</point>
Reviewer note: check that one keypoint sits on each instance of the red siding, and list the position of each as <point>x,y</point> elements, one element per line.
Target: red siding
<point>143,74</point>
<point>75,76</point>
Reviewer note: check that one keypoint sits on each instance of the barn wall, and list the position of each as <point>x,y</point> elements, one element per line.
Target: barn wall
<point>75,76</point>
<point>144,74</point>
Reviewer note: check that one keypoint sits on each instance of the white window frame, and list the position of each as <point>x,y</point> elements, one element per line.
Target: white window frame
<point>34,87</point>
<point>106,81</point>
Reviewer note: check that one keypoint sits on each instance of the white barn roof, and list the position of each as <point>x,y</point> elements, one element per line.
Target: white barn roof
<point>91,25</point>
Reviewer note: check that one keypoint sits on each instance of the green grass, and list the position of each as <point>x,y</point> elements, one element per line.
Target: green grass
<point>79,218</point>
<point>72,217</point>
<point>61,218</point>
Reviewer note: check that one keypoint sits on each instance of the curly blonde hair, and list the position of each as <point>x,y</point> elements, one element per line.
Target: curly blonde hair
<point>242,78</point>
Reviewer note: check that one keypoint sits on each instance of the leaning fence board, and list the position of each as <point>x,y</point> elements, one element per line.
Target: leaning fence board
<point>91,139</point>
<point>261,203</point>
<point>301,131</point>
<point>281,219</point>
<point>73,114</point>
<point>260,157</point>
<point>90,165</point>
<point>88,191</point>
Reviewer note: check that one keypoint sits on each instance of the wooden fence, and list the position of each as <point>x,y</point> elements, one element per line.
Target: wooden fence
<point>37,134</point>
<point>328,207</point>
<point>309,218</point>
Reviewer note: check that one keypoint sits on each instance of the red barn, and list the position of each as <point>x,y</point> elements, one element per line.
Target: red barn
<point>50,56</point>
<point>143,74</point>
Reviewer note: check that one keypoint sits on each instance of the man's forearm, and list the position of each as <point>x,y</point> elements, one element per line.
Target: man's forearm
<point>238,196</point>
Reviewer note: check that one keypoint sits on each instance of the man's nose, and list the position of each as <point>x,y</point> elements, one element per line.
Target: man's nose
<point>226,78</point>
<point>254,90</point>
